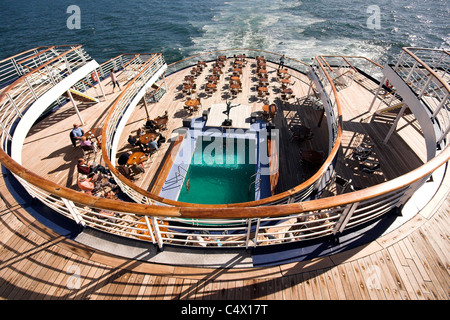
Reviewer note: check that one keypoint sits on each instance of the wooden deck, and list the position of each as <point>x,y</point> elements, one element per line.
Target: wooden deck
<point>411,262</point>
<point>48,151</point>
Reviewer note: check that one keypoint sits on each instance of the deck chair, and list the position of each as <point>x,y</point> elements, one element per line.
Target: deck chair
<point>344,183</point>
<point>88,150</point>
<point>361,153</point>
<point>126,172</point>
<point>369,166</point>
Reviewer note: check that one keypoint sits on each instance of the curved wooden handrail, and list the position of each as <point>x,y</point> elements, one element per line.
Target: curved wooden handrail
<point>261,202</point>
<point>21,53</point>
<point>226,213</point>
<point>221,212</point>
<point>442,81</point>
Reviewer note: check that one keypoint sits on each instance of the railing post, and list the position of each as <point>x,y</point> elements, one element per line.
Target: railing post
<point>74,212</point>
<point>441,104</point>
<point>258,222</point>
<point>100,84</point>
<point>69,69</point>
<point>344,218</point>
<point>249,228</point>
<point>19,71</point>
<point>31,88</point>
<point>157,232</point>
<point>14,105</point>
<point>377,93</point>
<point>49,72</point>
<point>5,131</point>
<point>149,227</point>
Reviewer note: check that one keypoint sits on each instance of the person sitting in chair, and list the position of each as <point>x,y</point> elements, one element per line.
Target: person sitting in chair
<point>124,158</point>
<point>161,140</point>
<point>132,140</point>
<point>90,169</point>
<point>150,125</point>
<point>86,183</point>
<point>86,144</point>
<point>153,145</point>
<point>75,134</point>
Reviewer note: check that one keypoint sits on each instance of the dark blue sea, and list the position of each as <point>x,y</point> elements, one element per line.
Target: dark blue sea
<point>180,28</point>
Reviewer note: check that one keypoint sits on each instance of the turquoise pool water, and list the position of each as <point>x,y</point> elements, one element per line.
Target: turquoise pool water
<point>221,171</point>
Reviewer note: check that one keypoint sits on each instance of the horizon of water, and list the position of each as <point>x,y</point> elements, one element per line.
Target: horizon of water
<point>180,28</point>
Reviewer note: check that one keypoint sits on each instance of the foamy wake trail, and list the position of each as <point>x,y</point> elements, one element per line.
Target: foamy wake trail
<point>275,26</point>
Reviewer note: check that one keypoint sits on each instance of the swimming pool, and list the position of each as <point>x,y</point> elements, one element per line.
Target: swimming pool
<point>221,170</point>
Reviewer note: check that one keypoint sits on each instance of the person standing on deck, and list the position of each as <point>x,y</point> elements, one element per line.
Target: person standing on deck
<point>114,80</point>
<point>281,64</point>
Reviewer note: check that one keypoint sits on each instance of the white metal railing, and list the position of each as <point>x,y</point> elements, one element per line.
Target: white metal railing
<point>426,82</point>
<point>16,66</point>
<point>145,221</point>
<point>19,95</point>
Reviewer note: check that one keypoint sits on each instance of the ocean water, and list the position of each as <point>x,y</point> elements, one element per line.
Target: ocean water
<point>181,28</point>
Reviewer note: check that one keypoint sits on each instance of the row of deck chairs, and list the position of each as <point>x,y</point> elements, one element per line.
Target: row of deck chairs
<point>362,154</point>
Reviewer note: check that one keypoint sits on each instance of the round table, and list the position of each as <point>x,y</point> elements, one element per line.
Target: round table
<point>263,89</point>
<point>146,138</point>
<point>93,133</point>
<point>285,81</point>
<point>137,158</point>
<point>262,71</point>
<point>238,70</point>
<point>266,108</point>
<point>192,103</point>
<point>161,123</point>
<point>211,85</point>
<point>282,72</point>
<point>213,78</point>
<point>235,86</point>
<point>235,78</point>
<point>288,91</point>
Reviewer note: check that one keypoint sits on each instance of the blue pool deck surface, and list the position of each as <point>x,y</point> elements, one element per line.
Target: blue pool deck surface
<point>175,178</point>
